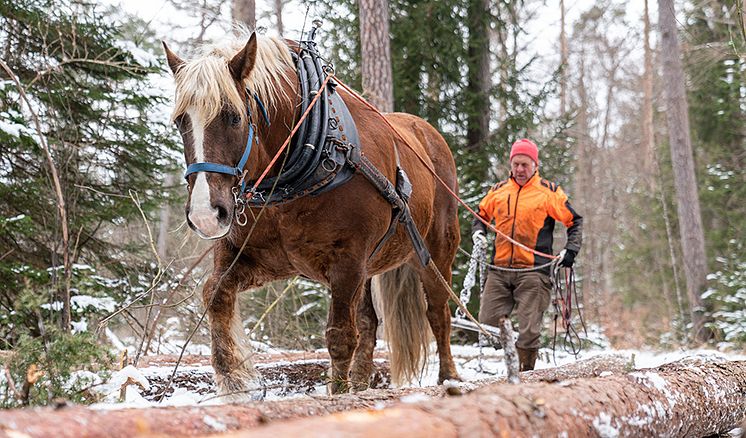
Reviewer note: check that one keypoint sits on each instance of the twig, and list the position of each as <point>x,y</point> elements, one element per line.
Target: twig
<point>117,195</point>
<point>274,303</point>
<point>11,383</point>
<point>171,294</point>
<point>60,200</point>
<point>11,251</point>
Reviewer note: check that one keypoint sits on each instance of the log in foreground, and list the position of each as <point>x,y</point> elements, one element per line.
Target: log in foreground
<point>200,420</point>
<point>692,398</point>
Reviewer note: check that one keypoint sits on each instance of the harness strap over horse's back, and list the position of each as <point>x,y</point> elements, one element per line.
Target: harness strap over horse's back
<point>326,153</point>
<point>326,141</point>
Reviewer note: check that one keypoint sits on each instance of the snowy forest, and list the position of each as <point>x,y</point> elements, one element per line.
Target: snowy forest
<point>639,113</point>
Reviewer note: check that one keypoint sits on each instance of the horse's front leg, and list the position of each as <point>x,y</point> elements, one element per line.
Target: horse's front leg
<point>231,353</point>
<point>347,285</point>
<point>367,323</point>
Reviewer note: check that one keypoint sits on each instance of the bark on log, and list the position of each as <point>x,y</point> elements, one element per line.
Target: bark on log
<point>198,420</point>
<point>687,398</point>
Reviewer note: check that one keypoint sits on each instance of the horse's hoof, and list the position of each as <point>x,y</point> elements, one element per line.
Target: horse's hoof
<point>360,387</point>
<point>338,387</point>
<point>236,390</point>
<point>452,378</point>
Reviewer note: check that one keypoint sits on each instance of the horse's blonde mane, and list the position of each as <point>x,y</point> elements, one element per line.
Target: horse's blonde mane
<point>204,84</point>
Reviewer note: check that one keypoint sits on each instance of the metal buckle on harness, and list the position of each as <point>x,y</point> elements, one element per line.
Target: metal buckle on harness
<point>240,205</point>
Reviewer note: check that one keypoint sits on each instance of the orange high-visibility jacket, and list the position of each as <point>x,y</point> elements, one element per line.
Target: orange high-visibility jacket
<point>527,214</point>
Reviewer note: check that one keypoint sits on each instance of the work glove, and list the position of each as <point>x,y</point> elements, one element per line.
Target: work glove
<point>478,237</point>
<point>569,258</point>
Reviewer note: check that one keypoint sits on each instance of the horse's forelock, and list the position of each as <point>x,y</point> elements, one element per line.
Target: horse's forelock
<point>205,84</point>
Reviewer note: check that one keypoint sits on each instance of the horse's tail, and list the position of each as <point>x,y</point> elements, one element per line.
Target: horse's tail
<point>404,320</point>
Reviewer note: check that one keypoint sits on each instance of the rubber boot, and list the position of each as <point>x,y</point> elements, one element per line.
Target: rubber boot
<point>527,358</point>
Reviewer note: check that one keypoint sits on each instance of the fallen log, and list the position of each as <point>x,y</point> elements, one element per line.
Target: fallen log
<point>689,398</point>
<point>281,379</point>
<point>199,420</point>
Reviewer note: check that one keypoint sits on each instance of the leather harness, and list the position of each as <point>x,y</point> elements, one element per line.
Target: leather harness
<point>325,154</point>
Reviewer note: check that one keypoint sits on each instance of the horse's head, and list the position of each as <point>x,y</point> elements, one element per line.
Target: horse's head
<point>213,114</point>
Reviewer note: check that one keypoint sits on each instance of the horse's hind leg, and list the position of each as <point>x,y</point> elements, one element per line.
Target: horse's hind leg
<point>439,317</point>
<point>367,323</point>
<point>347,285</point>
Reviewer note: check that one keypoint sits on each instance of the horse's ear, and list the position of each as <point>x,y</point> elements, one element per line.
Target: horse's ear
<point>174,62</point>
<point>242,63</point>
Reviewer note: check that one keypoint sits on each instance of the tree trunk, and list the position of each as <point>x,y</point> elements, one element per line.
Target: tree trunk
<point>480,76</point>
<point>378,85</point>
<point>278,16</point>
<point>244,12</point>
<point>197,420</point>
<point>690,219</point>
<point>682,399</point>
<point>647,104</point>
<point>563,60</point>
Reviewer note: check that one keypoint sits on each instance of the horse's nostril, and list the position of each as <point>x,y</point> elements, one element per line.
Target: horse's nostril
<point>222,214</point>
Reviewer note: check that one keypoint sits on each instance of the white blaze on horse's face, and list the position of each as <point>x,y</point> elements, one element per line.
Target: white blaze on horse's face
<point>203,215</point>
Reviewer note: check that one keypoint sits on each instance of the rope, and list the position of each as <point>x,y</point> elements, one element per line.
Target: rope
<point>484,264</point>
<point>456,299</point>
<point>428,166</point>
<point>287,140</point>
<point>563,284</point>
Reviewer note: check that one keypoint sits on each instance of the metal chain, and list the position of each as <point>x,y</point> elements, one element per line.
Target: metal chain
<point>475,261</point>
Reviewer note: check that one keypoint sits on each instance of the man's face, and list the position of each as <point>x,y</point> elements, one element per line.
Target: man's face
<point>522,168</point>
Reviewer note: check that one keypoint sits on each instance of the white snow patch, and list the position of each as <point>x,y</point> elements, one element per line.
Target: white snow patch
<point>657,382</point>
<point>606,374</point>
<point>120,377</point>
<point>415,398</point>
<point>306,307</point>
<point>81,302</point>
<point>142,57</point>
<point>15,129</point>
<point>79,326</point>
<point>603,426</point>
<point>214,423</point>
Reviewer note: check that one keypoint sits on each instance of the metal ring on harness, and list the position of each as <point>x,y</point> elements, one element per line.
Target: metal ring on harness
<point>328,167</point>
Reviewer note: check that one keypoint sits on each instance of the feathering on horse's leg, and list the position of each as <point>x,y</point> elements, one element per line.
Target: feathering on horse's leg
<point>231,359</point>
<point>367,324</point>
<point>347,285</point>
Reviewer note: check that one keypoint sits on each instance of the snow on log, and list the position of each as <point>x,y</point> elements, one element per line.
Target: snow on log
<point>692,398</point>
<point>199,420</point>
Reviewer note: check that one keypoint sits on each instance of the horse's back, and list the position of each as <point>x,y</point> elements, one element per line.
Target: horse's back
<point>428,143</point>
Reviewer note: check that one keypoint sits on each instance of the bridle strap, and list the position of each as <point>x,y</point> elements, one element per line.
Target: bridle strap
<point>237,170</point>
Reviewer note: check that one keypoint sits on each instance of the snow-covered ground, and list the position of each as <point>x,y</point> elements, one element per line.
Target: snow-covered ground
<point>473,363</point>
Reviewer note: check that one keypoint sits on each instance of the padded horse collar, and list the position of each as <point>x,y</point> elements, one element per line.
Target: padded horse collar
<point>324,146</point>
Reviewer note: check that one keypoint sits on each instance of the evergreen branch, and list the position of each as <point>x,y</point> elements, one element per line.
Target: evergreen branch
<point>60,199</point>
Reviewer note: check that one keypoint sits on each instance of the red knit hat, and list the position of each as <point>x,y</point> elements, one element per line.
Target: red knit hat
<point>526,147</point>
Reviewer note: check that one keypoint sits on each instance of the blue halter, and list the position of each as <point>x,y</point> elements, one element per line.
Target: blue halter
<point>238,169</point>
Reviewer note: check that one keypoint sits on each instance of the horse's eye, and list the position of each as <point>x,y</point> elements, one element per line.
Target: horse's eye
<point>235,119</point>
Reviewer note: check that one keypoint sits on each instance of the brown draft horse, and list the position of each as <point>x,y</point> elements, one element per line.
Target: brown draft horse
<point>328,238</point>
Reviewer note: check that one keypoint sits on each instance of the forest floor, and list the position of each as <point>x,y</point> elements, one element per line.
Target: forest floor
<point>290,374</point>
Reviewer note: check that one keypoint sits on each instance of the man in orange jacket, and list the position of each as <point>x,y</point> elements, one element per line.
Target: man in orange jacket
<point>525,208</point>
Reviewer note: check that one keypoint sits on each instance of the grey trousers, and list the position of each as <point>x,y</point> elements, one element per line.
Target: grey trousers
<point>526,292</point>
